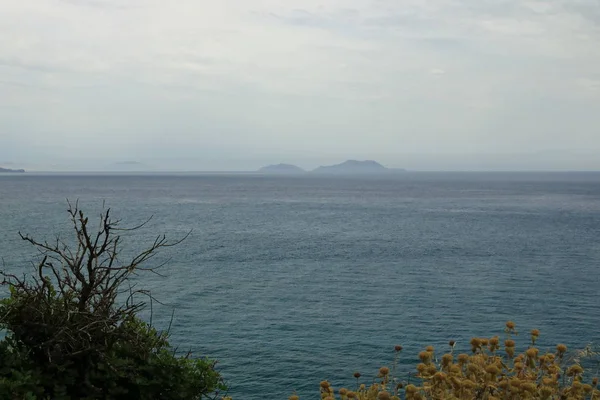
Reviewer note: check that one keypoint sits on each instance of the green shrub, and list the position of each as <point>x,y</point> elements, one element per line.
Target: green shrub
<point>68,336</point>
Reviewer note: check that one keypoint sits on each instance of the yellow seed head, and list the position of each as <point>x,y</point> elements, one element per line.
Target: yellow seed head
<point>439,376</point>
<point>384,371</point>
<point>447,359</point>
<point>412,389</point>
<point>529,387</point>
<point>532,352</point>
<point>468,384</point>
<point>548,381</point>
<point>425,356</point>
<point>492,369</point>
<point>561,348</point>
<point>384,396</point>
<point>472,368</point>
<point>515,383</point>
<point>574,370</point>
<point>518,366</point>
<point>546,392</point>
<point>510,325</point>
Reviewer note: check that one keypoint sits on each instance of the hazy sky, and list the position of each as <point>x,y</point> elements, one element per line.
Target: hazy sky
<point>234,84</point>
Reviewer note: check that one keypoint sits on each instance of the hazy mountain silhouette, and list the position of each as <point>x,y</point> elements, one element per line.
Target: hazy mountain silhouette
<point>281,169</point>
<point>11,170</point>
<point>354,167</point>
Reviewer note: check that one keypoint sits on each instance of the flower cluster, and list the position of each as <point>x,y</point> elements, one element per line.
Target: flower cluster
<point>493,370</point>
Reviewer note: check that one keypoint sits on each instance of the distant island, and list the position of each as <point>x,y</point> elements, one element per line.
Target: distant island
<point>7,170</point>
<point>355,167</point>
<point>281,169</point>
<point>347,167</point>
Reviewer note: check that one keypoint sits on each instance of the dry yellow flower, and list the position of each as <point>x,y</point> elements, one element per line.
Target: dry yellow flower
<point>530,375</point>
<point>425,356</point>
<point>574,370</point>
<point>532,352</point>
<point>468,384</point>
<point>492,369</point>
<point>447,359</point>
<point>411,389</point>
<point>384,396</point>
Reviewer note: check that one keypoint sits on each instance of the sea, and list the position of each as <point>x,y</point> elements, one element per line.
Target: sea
<point>291,280</point>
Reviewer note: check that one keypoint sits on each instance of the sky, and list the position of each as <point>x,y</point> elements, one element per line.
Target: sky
<point>236,84</point>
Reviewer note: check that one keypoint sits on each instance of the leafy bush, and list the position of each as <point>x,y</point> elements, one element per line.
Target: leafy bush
<point>68,335</point>
<point>487,373</point>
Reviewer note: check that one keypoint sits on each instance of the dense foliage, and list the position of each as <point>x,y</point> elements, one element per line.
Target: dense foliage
<point>72,330</point>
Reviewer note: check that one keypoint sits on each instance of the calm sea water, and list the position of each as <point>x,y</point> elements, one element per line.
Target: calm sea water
<point>291,280</point>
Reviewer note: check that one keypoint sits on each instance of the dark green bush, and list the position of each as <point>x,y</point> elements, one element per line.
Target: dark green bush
<point>69,336</point>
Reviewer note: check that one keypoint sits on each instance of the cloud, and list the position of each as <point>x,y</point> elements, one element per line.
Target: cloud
<point>268,76</point>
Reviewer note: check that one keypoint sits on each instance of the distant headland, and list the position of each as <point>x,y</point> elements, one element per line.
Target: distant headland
<point>8,170</point>
<point>347,167</point>
<point>281,169</point>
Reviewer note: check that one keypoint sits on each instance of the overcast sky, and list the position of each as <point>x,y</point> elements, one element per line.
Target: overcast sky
<point>234,84</point>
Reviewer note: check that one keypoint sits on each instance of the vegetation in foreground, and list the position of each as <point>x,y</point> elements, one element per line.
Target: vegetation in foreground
<point>68,335</point>
<point>492,371</point>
